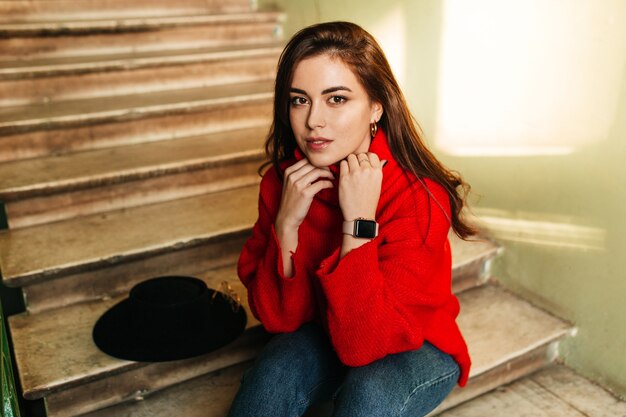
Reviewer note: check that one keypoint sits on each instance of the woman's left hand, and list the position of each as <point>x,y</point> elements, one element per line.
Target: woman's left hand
<point>360,181</point>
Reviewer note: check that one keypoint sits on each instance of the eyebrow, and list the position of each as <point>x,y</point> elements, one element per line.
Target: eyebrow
<point>327,91</point>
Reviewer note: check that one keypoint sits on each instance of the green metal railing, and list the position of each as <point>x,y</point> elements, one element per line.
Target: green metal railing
<point>8,395</point>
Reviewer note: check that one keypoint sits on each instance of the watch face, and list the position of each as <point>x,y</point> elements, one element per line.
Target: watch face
<point>365,228</point>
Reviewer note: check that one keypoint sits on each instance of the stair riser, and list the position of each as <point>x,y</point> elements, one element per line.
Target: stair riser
<point>21,11</point>
<point>239,115</point>
<point>61,206</point>
<point>135,384</point>
<point>145,80</point>
<point>118,279</point>
<point>152,39</point>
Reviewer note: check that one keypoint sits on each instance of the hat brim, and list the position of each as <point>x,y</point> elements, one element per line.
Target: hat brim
<point>114,335</point>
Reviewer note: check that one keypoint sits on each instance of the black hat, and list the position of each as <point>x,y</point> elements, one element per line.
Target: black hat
<point>169,318</point>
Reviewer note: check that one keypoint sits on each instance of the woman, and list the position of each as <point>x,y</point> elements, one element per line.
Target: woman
<point>349,260</point>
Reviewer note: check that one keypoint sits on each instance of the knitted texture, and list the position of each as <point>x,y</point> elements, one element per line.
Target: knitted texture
<point>386,296</point>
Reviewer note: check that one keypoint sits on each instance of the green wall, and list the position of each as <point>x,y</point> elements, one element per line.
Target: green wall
<point>560,216</point>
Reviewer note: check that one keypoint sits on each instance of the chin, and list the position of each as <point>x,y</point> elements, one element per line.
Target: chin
<point>322,161</point>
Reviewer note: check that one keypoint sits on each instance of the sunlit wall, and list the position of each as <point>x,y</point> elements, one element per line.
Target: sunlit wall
<point>527,99</point>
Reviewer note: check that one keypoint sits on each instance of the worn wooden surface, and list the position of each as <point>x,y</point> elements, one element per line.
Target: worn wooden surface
<point>29,10</point>
<point>105,239</point>
<point>211,396</point>
<point>553,392</point>
<point>42,143</point>
<point>157,37</point>
<point>54,350</point>
<point>240,172</point>
<point>118,279</point>
<point>207,396</point>
<point>35,253</point>
<point>109,109</point>
<point>44,67</point>
<point>248,66</point>
<point>44,176</point>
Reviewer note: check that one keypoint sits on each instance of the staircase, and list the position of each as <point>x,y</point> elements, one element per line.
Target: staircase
<point>130,136</point>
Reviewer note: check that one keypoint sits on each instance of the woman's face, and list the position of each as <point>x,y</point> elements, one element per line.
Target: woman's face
<point>330,111</point>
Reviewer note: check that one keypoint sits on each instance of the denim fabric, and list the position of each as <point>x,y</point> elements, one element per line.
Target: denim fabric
<point>300,369</point>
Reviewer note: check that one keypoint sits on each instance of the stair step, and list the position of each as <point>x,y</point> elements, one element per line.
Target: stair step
<point>41,130</point>
<point>72,369</point>
<point>40,253</point>
<point>47,39</point>
<point>20,11</point>
<point>53,80</point>
<point>103,272</point>
<point>487,312</point>
<point>552,392</point>
<point>36,253</point>
<point>44,190</point>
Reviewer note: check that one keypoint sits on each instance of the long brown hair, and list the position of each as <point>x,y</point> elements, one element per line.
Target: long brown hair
<point>360,51</point>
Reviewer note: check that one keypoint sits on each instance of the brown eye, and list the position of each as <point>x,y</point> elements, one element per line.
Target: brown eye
<point>298,101</point>
<point>338,99</point>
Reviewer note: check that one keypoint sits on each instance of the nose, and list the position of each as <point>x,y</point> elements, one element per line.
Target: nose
<point>316,117</point>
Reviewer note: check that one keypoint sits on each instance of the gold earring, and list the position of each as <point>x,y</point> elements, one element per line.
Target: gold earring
<point>373,129</point>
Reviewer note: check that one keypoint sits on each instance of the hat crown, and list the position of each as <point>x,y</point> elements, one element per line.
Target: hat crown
<point>172,307</point>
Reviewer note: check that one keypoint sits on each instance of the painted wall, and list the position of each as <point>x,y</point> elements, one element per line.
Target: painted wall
<point>528,101</point>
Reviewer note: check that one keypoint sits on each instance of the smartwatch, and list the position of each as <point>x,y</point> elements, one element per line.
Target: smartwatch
<point>361,228</point>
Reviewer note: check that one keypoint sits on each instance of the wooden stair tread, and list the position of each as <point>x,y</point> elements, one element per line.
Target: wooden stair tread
<point>73,357</point>
<point>27,10</point>
<point>552,392</point>
<point>130,106</point>
<point>34,253</point>
<point>135,23</point>
<point>38,176</point>
<point>50,359</point>
<point>122,61</point>
<point>103,239</point>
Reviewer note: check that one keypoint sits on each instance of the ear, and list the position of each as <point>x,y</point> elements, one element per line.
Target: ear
<point>376,111</point>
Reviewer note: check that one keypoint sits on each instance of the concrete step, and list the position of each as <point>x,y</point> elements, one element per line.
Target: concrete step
<point>99,256</point>
<point>48,39</point>
<point>44,190</point>
<point>499,356</point>
<point>61,79</point>
<point>555,391</point>
<point>78,125</point>
<point>21,11</point>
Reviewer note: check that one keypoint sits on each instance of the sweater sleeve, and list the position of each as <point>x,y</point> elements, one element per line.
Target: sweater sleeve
<point>280,303</point>
<point>382,295</point>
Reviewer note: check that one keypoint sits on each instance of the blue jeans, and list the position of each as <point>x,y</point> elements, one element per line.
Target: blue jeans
<point>300,369</point>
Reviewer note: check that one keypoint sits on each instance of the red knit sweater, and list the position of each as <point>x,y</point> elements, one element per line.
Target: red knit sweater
<point>384,297</point>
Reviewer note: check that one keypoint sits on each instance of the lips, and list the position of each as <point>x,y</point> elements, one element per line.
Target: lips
<point>317,144</point>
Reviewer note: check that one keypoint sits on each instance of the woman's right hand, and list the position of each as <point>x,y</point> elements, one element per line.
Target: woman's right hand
<point>299,188</point>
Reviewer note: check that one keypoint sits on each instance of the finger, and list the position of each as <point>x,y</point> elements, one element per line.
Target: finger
<point>343,168</point>
<point>319,186</point>
<point>374,159</point>
<point>300,172</point>
<point>314,175</point>
<point>353,162</point>
<point>296,166</point>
